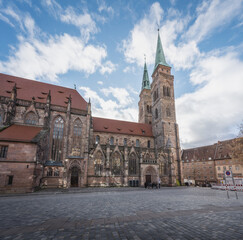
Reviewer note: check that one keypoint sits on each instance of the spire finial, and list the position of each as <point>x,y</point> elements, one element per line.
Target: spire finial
<point>145,58</point>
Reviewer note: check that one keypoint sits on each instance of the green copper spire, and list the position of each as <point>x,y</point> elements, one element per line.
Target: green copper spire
<point>160,57</point>
<point>146,83</point>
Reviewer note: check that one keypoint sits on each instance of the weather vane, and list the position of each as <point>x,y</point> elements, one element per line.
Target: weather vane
<point>158,26</point>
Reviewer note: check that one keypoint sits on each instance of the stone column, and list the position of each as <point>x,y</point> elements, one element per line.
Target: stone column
<point>125,166</point>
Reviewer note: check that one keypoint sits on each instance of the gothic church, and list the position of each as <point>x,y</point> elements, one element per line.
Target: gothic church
<point>49,138</point>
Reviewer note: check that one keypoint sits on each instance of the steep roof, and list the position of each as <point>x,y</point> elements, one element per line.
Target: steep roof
<point>145,83</point>
<point>19,133</point>
<point>160,57</point>
<point>26,89</point>
<point>122,127</point>
<point>199,153</point>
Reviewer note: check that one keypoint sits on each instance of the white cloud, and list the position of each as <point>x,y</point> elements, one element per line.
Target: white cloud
<point>212,15</point>
<point>121,94</point>
<point>39,57</point>
<point>100,82</point>
<point>107,67</point>
<point>45,60</point>
<point>213,110</point>
<point>83,21</point>
<point>104,8</point>
<point>5,19</point>
<point>110,108</point>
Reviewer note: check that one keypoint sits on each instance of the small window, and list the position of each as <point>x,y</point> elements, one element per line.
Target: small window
<point>112,141</point>
<point>3,151</point>
<point>10,180</point>
<point>224,168</point>
<point>148,143</point>
<point>148,108</point>
<point>97,139</point>
<point>137,143</point>
<point>125,142</point>
<point>219,168</point>
<point>49,172</point>
<point>168,112</point>
<point>237,167</point>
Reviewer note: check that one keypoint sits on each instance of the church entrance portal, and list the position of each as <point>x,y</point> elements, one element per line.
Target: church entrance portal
<point>148,179</point>
<point>150,175</point>
<point>74,177</point>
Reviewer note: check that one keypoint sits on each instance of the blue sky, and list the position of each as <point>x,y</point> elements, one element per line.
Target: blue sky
<point>99,46</point>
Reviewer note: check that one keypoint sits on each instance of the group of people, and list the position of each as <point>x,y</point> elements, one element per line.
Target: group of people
<point>152,185</point>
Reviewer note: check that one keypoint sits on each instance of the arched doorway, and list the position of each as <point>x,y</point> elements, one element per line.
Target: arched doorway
<point>74,177</point>
<point>150,175</point>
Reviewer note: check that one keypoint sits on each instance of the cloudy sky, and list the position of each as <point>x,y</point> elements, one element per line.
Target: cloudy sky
<point>99,46</point>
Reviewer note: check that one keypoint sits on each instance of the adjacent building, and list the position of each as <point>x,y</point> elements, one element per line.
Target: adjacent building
<point>209,163</point>
<point>50,139</point>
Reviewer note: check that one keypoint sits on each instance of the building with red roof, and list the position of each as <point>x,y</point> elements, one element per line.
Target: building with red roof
<point>49,139</point>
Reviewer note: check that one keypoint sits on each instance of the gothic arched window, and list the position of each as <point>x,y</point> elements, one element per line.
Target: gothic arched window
<point>137,143</point>
<point>112,141</point>
<point>31,118</point>
<point>77,128</point>
<point>168,91</point>
<point>98,163</point>
<point>132,164</point>
<point>97,139</point>
<point>77,133</point>
<point>57,139</point>
<point>116,163</point>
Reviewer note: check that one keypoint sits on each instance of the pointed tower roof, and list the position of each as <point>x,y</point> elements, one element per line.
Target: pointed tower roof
<point>145,83</point>
<point>160,57</point>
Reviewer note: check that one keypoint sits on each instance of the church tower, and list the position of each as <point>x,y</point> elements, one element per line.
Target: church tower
<point>165,128</point>
<point>145,102</point>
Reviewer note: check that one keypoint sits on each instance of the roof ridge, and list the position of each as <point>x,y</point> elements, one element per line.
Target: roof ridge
<point>122,121</point>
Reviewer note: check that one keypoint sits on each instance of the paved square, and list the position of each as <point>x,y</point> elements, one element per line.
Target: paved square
<point>125,213</point>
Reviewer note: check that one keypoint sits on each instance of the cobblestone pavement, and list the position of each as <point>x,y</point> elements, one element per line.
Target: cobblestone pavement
<point>166,213</point>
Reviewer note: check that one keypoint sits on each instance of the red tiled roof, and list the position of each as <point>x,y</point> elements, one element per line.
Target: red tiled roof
<point>26,89</point>
<point>19,133</point>
<point>199,153</point>
<point>122,127</point>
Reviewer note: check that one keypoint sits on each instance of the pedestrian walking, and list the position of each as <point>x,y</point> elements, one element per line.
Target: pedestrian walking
<point>159,182</point>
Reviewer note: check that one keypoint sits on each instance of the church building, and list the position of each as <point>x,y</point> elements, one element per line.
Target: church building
<point>49,138</point>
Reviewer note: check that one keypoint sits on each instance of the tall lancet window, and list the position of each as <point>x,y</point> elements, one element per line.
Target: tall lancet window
<point>98,163</point>
<point>57,139</point>
<point>132,164</point>
<point>116,164</point>
<point>77,133</point>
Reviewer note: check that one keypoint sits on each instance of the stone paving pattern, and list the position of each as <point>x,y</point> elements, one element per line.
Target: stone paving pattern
<point>125,213</point>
